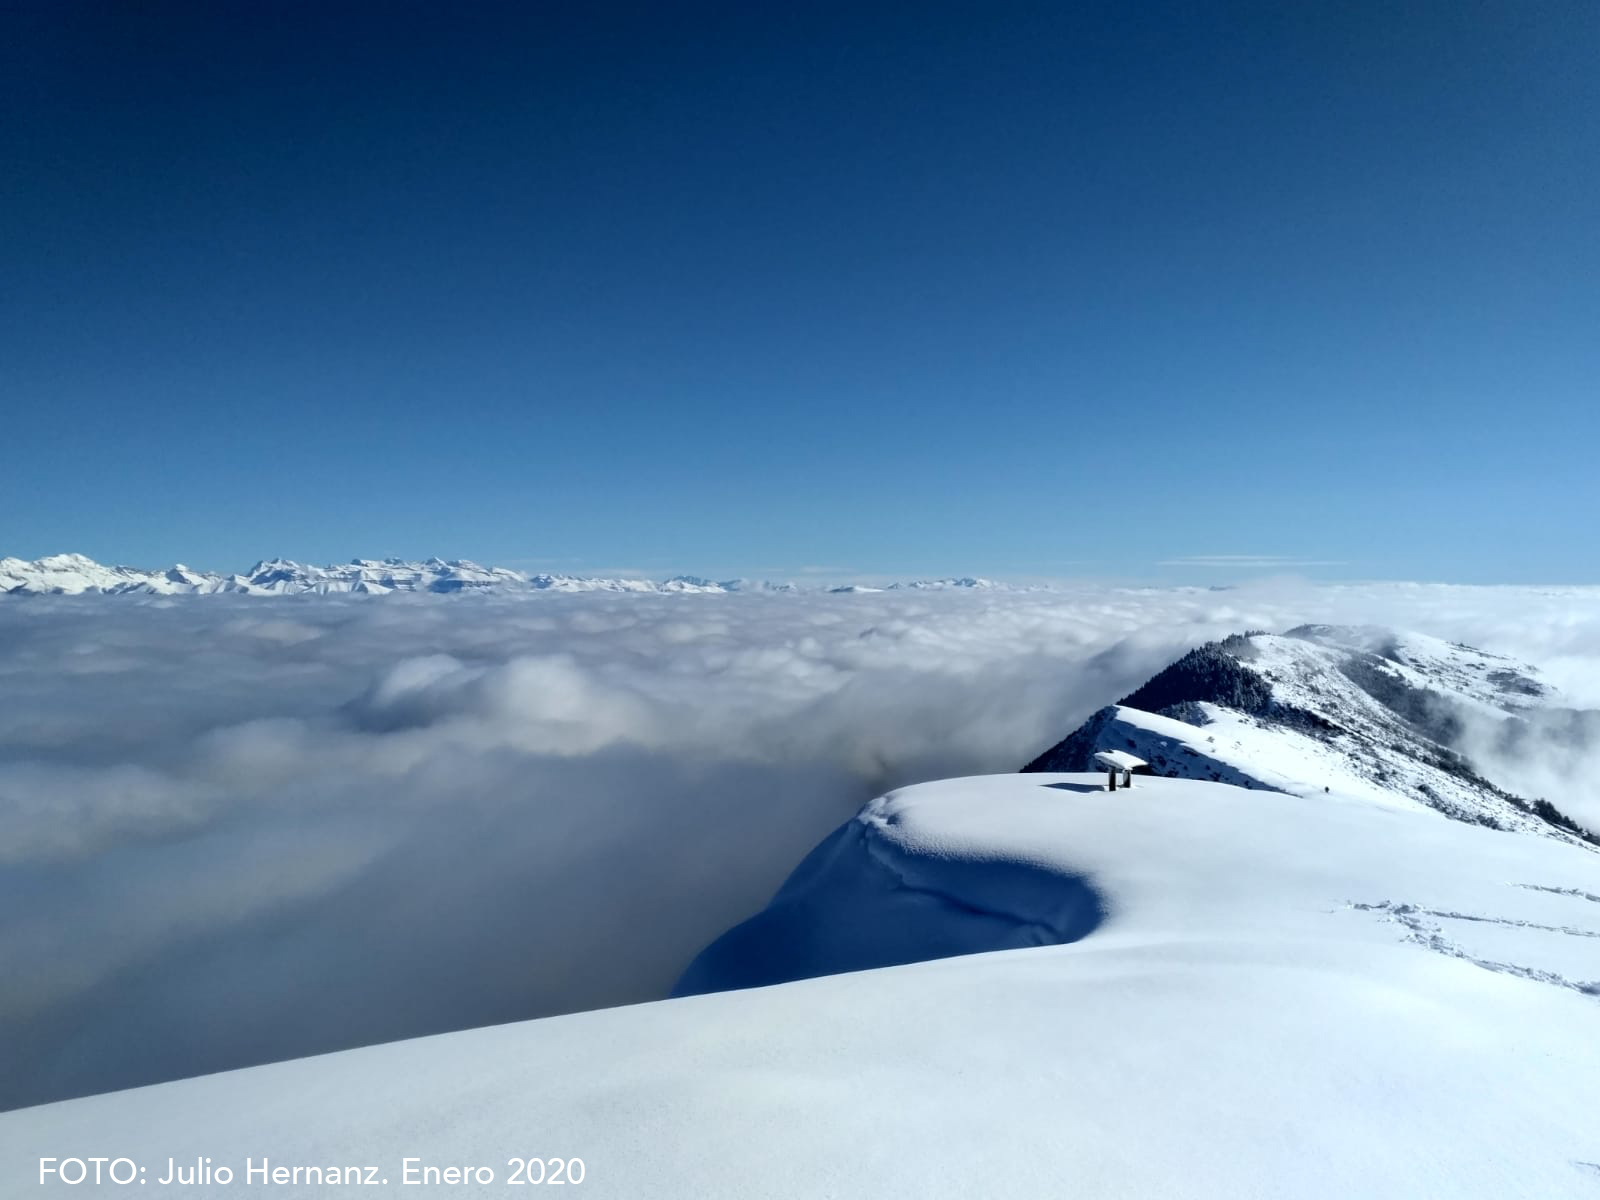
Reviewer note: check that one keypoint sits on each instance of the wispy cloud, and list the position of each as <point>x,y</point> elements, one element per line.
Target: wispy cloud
<point>1249,560</point>
<point>776,571</point>
<point>578,566</point>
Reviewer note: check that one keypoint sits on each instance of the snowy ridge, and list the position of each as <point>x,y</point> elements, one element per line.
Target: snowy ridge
<point>73,574</point>
<point>1277,995</point>
<point>1363,711</point>
<point>1283,986</point>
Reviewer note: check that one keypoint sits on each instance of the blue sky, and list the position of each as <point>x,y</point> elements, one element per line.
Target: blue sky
<point>1022,290</point>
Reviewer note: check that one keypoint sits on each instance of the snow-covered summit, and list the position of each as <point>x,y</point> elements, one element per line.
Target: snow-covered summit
<point>70,574</point>
<point>1362,710</point>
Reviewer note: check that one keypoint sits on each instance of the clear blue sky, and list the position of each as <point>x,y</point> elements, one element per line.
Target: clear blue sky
<point>1016,289</point>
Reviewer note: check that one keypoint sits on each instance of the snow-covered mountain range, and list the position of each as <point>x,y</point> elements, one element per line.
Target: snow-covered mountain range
<point>925,585</point>
<point>74,574</point>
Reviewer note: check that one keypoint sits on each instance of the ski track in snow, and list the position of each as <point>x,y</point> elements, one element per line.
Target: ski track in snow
<point>1425,933</point>
<point>1578,893</point>
<point>1461,916</point>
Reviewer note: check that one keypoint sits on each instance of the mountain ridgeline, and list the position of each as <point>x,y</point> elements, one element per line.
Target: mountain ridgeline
<point>76,575</point>
<point>1333,708</point>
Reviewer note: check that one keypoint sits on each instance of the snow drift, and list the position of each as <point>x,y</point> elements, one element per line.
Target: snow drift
<point>898,908</point>
<point>1320,997</point>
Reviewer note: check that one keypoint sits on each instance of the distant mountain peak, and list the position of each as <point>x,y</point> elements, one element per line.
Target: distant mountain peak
<point>965,581</point>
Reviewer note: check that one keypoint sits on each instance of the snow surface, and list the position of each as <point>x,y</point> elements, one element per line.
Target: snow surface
<point>1239,993</point>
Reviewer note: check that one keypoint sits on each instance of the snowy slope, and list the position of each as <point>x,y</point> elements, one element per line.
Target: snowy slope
<point>73,574</point>
<point>1267,995</point>
<point>1365,711</point>
<point>378,576</point>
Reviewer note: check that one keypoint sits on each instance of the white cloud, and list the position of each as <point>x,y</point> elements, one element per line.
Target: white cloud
<point>1248,561</point>
<point>239,829</point>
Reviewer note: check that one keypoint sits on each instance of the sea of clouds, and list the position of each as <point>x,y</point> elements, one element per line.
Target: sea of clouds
<point>238,829</point>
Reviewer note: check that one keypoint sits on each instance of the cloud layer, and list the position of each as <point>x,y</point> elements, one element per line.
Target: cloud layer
<point>237,830</point>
